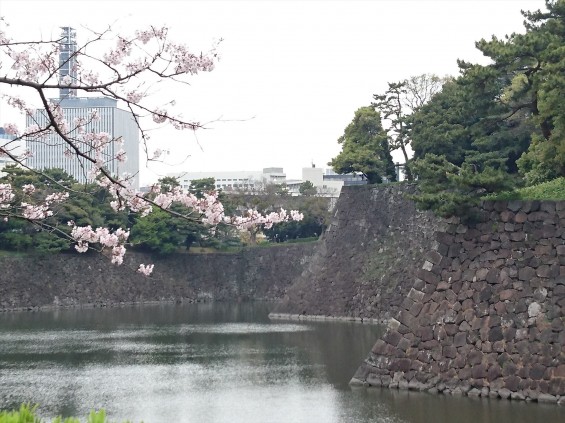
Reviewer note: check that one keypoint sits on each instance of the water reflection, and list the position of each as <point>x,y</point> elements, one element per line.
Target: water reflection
<point>212,363</point>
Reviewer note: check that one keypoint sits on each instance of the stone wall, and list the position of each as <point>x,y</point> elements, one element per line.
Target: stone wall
<point>485,314</point>
<point>90,279</point>
<point>367,260</point>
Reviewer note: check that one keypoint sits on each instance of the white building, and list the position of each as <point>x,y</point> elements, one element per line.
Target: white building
<point>120,124</point>
<point>50,153</point>
<point>8,143</point>
<point>327,182</point>
<point>240,180</point>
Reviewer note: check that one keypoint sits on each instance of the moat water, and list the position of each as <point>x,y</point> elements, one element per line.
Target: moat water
<point>214,363</point>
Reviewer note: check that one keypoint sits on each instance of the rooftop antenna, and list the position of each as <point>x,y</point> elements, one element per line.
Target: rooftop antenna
<point>67,60</point>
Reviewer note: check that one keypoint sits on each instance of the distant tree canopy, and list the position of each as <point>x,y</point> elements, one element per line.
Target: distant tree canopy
<point>498,126</point>
<point>87,205</point>
<point>307,188</point>
<point>365,148</point>
<point>398,102</point>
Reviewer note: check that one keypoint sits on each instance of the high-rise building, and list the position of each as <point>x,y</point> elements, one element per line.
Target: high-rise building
<point>67,60</point>
<point>119,124</point>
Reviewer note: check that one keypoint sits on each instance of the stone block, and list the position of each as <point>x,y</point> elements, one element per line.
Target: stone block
<point>404,344</point>
<point>504,393</point>
<point>425,333</point>
<point>495,334</point>
<point>544,250</point>
<point>494,372</point>
<point>534,309</point>
<point>475,357</point>
<point>486,347</point>
<point>428,266</point>
<point>428,277</point>
<point>537,371</point>
<point>449,351</point>
<point>416,308</point>
<point>443,286</point>
<point>492,276</point>
<point>526,273</point>
<point>393,324</point>
<point>507,294</point>
<point>509,334</point>
<point>460,339</point>
<point>485,294</point>
<point>392,338</point>
<point>400,365</point>
<point>517,236</point>
<point>433,257</point>
<point>547,398</point>
<point>415,295</point>
<point>379,348</point>
<point>498,346</point>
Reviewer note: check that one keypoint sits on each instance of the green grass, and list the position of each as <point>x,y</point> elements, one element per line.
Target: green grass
<point>27,414</point>
<point>552,190</point>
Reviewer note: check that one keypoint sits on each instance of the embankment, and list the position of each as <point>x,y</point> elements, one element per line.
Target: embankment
<point>368,258</point>
<point>76,280</point>
<point>475,310</point>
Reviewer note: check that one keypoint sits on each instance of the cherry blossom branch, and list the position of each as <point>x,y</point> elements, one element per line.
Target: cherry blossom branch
<point>148,57</point>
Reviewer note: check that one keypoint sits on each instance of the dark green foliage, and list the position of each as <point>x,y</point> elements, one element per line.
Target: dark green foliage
<point>200,186</point>
<point>309,227</point>
<point>163,233</point>
<point>452,190</point>
<point>307,188</point>
<point>168,183</point>
<point>365,148</point>
<point>498,126</point>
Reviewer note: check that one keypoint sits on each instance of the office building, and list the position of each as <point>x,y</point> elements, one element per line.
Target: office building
<point>119,124</point>
<point>240,180</point>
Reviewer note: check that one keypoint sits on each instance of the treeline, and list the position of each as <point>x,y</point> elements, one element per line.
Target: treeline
<point>159,232</point>
<point>492,129</point>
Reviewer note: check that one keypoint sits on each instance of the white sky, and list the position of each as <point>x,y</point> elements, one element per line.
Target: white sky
<point>292,73</point>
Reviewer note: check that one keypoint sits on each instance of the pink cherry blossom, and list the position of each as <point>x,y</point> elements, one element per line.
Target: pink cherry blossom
<point>145,269</point>
<point>11,129</point>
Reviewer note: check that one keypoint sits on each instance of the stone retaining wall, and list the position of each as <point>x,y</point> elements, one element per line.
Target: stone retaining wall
<point>367,260</point>
<point>89,279</point>
<point>485,314</point>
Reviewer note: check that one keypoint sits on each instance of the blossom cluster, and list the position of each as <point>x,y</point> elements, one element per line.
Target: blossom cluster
<point>252,218</point>
<point>85,235</point>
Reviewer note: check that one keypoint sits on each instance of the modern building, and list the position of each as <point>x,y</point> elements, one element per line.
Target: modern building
<point>8,142</point>
<point>241,180</point>
<point>50,152</point>
<point>327,182</point>
<point>119,124</point>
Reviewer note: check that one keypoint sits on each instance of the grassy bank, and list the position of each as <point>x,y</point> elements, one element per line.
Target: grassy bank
<point>552,191</point>
<point>27,414</point>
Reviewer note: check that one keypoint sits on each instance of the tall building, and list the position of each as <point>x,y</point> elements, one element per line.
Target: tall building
<point>119,124</point>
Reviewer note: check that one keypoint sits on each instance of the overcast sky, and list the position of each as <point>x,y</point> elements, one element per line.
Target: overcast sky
<point>292,73</point>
